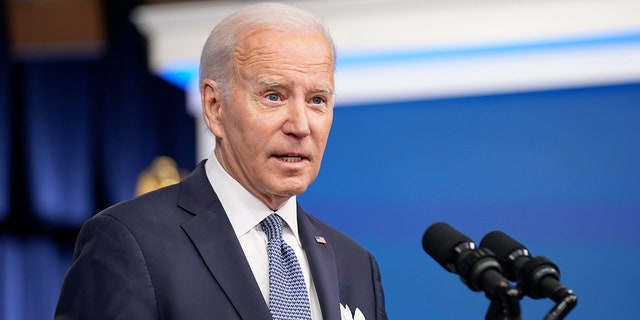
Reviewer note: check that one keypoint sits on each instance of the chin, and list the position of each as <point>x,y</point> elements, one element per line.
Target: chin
<point>294,190</point>
<point>290,185</point>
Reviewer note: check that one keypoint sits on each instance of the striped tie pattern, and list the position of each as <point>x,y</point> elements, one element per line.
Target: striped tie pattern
<point>288,297</point>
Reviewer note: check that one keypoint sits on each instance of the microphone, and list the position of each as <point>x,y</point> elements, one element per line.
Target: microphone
<point>538,277</point>
<point>479,269</point>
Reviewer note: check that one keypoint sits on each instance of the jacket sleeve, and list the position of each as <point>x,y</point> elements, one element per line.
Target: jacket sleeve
<point>108,278</point>
<point>381,313</point>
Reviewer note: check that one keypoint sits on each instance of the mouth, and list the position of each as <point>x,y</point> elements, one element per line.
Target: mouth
<point>291,158</point>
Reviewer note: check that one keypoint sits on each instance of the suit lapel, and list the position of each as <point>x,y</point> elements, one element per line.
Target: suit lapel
<point>322,264</point>
<point>213,236</point>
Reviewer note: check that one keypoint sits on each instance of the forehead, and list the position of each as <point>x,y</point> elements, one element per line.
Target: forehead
<point>268,48</point>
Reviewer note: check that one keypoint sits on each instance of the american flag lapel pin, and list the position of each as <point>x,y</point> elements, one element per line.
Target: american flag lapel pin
<point>320,239</point>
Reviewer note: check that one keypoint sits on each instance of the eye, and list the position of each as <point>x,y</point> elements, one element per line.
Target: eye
<point>273,97</point>
<point>317,100</point>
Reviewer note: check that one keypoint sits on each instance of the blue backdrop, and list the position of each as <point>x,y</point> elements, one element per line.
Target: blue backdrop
<point>556,170</point>
<point>74,135</point>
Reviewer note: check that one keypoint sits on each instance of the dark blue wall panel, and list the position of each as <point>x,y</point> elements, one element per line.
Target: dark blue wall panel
<point>556,170</point>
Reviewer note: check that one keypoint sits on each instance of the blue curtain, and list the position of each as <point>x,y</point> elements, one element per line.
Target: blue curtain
<point>74,135</point>
<point>4,119</point>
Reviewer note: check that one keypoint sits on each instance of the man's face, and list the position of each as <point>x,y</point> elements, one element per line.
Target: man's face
<point>273,127</point>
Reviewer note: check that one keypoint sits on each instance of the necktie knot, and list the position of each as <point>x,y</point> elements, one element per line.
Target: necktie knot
<point>272,227</point>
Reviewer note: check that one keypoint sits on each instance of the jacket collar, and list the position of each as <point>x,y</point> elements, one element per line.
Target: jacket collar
<point>215,240</point>
<point>319,251</point>
<point>213,237</point>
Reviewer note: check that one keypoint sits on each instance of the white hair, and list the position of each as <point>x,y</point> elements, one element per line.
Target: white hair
<point>216,61</point>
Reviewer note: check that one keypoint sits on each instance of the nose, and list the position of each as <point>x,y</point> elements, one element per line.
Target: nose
<point>297,122</point>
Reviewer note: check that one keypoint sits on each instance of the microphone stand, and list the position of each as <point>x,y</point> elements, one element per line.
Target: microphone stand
<point>506,304</point>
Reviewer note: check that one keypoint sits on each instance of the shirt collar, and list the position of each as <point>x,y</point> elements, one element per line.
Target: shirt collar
<point>244,210</point>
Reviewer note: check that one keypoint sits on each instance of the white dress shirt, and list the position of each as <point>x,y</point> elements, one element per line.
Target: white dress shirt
<point>245,213</point>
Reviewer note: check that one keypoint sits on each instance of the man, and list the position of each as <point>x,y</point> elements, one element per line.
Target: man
<point>198,249</point>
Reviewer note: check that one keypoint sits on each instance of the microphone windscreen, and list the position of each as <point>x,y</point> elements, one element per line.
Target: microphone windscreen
<point>439,240</point>
<point>500,244</point>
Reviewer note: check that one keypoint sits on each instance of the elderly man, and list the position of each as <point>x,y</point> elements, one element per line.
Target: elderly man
<point>230,241</point>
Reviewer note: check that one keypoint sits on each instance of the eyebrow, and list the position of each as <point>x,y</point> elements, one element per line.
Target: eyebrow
<point>326,90</point>
<point>272,84</point>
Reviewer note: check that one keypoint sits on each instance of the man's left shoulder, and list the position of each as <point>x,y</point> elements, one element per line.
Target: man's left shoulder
<point>327,232</point>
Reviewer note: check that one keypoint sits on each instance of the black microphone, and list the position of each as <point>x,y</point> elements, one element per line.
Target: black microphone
<point>538,277</point>
<point>479,269</point>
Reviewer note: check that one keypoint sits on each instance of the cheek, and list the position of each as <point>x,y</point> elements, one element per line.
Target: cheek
<point>322,127</point>
<point>254,140</point>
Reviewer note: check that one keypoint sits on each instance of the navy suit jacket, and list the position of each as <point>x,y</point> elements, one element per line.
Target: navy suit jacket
<point>172,254</point>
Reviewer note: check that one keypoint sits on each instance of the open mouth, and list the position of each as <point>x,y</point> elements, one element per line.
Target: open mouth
<point>291,159</point>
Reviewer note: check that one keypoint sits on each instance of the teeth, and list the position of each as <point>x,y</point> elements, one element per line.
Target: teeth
<point>291,158</point>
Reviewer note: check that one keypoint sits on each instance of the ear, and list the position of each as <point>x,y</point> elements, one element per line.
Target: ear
<point>212,102</point>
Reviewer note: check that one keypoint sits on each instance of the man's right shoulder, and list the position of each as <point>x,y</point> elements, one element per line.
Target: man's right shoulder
<point>152,203</point>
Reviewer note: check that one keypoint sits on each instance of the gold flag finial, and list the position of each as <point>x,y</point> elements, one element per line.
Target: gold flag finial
<point>162,172</point>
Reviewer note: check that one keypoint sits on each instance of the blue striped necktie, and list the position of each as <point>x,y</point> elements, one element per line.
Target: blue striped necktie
<point>288,297</point>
